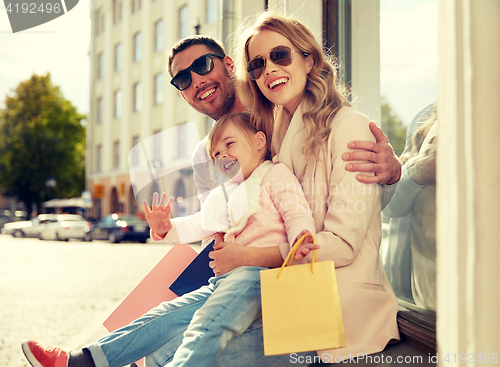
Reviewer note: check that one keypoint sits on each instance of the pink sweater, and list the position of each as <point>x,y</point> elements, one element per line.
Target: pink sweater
<point>284,211</point>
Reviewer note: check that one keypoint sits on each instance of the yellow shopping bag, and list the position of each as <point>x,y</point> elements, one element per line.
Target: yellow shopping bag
<point>301,307</point>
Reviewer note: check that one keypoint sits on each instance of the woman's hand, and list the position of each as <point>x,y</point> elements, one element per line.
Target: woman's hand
<point>306,246</point>
<point>158,216</point>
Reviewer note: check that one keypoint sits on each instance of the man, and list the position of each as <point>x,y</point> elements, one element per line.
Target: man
<point>204,75</point>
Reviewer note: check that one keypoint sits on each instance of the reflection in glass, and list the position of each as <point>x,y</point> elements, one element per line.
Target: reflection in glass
<point>408,82</point>
<point>411,254</point>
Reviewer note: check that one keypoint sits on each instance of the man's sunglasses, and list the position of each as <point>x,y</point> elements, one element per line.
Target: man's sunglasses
<point>201,66</point>
<point>280,55</point>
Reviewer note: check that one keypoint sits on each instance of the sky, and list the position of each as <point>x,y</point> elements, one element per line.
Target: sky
<point>408,34</point>
<point>60,47</point>
<point>408,55</point>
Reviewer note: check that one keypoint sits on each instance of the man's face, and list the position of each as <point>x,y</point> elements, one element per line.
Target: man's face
<point>212,94</point>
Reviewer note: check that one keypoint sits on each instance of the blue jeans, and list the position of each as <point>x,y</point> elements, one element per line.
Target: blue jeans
<point>199,324</point>
<point>245,350</point>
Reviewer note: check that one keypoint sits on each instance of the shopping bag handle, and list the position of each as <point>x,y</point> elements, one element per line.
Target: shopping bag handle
<point>291,254</point>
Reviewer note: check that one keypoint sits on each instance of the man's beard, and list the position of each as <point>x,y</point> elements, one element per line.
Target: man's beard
<point>226,101</point>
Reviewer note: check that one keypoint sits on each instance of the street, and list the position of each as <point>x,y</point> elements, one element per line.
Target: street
<point>59,293</point>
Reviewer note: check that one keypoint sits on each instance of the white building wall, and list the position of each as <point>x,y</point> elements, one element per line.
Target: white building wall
<point>468,168</point>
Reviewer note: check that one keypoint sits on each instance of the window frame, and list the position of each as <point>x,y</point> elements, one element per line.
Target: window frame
<point>158,89</point>
<point>118,104</point>
<point>183,23</point>
<point>118,56</point>
<point>137,97</point>
<point>100,65</point>
<point>99,111</point>
<point>158,36</point>
<point>137,49</point>
<point>116,154</point>
<point>417,326</point>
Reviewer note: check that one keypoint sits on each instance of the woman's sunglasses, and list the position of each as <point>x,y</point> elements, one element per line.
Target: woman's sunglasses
<point>201,66</point>
<point>280,55</point>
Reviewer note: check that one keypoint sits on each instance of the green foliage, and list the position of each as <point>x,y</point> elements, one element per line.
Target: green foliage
<point>393,127</point>
<point>41,135</point>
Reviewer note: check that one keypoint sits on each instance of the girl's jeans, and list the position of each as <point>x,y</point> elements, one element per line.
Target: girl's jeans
<point>182,332</point>
<point>204,320</point>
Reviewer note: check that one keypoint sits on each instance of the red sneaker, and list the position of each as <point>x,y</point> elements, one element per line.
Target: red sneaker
<point>39,356</point>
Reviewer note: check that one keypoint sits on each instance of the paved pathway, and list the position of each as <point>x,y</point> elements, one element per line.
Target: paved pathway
<point>60,292</point>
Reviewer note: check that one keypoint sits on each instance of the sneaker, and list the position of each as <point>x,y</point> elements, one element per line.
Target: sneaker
<point>39,356</point>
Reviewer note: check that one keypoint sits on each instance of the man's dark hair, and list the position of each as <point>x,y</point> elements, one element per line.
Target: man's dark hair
<point>212,44</point>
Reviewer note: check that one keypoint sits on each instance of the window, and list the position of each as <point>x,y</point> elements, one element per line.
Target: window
<point>208,124</point>
<point>137,97</point>
<point>100,65</point>
<point>182,141</point>
<point>103,19</point>
<point>158,89</point>
<point>135,152</point>
<point>98,157</point>
<point>159,35</point>
<point>408,86</point>
<point>212,11</point>
<point>97,22</point>
<point>98,109</point>
<point>118,57</point>
<point>157,161</point>
<point>136,5</point>
<point>183,22</point>
<point>118,103</point>
<point>117,11</point>
<point>180,195</point>
<point>137,47</point>
<point>116,154</point>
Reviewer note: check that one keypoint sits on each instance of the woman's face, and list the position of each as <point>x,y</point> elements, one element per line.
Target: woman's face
<point>282,85</point>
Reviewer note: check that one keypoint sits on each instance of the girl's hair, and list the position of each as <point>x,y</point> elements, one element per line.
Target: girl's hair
<point>323,97</point>
<point>419,135</point>
<point>244,122</point>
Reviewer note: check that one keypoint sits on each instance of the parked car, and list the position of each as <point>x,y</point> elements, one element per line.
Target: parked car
<point>5,218</point>
<point>65,226</point>
<point>27,228</point>
<point>117,228</point>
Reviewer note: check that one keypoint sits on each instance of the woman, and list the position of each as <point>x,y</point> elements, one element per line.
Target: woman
<point>290,85</point>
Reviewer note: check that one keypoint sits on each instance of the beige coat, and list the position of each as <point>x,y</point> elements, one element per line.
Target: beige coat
<point>348,225</point>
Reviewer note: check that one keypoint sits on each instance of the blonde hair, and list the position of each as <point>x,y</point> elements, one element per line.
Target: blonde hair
<point>244,122</point>
<point>323,97</point>
<point>419,135</point>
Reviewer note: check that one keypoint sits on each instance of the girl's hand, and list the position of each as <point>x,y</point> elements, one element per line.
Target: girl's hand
<point>158,216</point>
<point>306,246</point>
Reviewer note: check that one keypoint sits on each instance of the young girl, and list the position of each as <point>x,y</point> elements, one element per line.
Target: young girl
<point>291,85</point>
<point>263,205</point>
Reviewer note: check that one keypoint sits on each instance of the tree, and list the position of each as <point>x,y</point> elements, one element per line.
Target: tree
<point>41,137</point>
<point>393,127</point>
